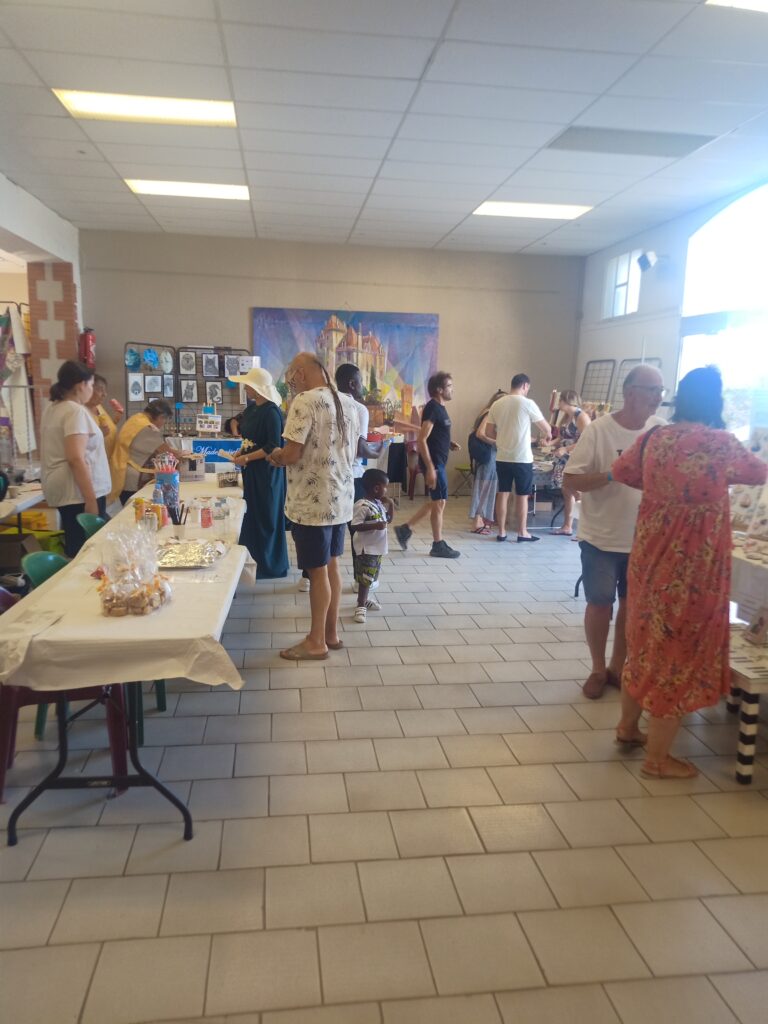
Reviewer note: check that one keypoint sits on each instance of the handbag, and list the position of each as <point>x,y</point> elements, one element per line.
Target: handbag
<point>479,451</point>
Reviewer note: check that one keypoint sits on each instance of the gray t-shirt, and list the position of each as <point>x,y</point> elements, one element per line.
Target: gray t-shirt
<point>61,420</point>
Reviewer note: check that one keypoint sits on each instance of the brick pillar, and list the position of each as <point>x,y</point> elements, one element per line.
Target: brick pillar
<point>53,324</point>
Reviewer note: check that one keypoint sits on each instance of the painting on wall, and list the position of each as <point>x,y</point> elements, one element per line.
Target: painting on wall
<point>396,352</point>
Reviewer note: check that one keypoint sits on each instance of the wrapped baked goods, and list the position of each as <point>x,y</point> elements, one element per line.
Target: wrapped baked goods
<point>131,584</point>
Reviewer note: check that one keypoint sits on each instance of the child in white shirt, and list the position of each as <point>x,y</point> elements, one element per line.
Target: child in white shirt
<point>370,517</point>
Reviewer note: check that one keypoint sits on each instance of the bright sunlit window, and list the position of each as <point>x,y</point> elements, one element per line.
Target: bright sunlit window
<point>622,285</point>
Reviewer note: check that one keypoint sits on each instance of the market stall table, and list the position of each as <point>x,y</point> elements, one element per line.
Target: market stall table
<point>28,496</point>
<point>57,639</point>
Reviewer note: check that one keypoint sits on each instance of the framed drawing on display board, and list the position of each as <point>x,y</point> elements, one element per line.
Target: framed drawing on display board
<point>213,393</point>
<point>168,385</point>
<point>231,366</point>
<point>210,364</point>
<point>153,384</point>
<point>189,391</point>
<point>135,387</point>
<point>187,364</point>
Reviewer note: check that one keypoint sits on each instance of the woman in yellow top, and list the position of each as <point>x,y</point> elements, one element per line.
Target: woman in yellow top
<point>140,438</point>
<point>107,420</point>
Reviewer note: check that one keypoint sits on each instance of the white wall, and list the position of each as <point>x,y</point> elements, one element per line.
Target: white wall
<point>13,288</point>
<point>498,314</point>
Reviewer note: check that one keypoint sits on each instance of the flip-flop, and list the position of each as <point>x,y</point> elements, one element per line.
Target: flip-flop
<point>562,533</point>
<point>482,529</point>
<point>300,653</point>
<point>334,647</point>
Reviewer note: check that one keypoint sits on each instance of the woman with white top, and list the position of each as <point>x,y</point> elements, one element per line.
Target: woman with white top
<point>75,469</point>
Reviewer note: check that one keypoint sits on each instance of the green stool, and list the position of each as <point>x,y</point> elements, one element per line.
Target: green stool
<point>90,523</point>
<point>39,567</point>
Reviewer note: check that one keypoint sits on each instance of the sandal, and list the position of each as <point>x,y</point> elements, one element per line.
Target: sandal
<point>334,647</point>
<point>562,532</point>
<point>670,768</point>
<point>300,653</point>
<point>483,531</point>
<point>639,739</point>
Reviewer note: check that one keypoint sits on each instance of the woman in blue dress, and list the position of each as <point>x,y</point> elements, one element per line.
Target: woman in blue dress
<point>261,428</point>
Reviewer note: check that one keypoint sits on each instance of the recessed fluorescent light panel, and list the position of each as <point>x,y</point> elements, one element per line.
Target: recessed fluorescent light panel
<point>538,211</point>
<point>187,189</point>
<point>111,106</point>
<point>584,139</point>
<point>761,6</point>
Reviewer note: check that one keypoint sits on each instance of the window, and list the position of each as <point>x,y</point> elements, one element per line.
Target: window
<point>622,285</point>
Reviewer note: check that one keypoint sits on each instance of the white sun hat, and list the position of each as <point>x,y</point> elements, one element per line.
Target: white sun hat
<point>261,382</point>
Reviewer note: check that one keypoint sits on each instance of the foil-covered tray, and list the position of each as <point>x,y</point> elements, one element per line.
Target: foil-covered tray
<point>189,554</point>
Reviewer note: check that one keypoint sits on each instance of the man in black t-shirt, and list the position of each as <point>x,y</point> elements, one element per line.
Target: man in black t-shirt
<point>434,444</point>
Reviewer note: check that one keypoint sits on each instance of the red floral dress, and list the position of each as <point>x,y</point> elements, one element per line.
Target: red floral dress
<point>680,565</point>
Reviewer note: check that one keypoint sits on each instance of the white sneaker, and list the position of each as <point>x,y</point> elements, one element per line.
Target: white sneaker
<point>360,614</point>
<point>303,585</point>
<point>373,605</point>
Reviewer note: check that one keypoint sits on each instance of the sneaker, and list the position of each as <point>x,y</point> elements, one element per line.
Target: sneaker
<point>360,614</point>
<point>441,550</point>
<point>403,534</point>
<point>372,605</point>
<point>303,585</point>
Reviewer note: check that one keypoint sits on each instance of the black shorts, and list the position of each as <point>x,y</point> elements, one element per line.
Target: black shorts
<point>518,473</point>
<point>317,545</point>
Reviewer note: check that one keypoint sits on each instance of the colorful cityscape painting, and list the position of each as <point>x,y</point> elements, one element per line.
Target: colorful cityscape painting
<point>396,352</point>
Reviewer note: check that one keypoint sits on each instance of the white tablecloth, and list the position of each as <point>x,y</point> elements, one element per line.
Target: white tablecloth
<point>80,647</point>
<point>29,495</point>
<point>749,585</point>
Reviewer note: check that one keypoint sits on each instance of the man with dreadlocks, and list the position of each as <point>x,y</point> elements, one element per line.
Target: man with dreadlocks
<point>321,435</point>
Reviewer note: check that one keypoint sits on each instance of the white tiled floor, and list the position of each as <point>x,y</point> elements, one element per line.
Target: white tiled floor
<point>433,826</point>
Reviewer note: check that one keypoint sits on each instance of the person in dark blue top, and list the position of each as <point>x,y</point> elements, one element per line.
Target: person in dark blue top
<point>434,444</point>
<point>261,428</point>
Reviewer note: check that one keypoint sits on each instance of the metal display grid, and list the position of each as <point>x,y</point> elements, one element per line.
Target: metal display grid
<point>598,375</point>
<point>617,401</point>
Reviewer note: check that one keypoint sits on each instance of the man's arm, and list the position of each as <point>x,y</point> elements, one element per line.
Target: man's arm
<point>573,483</point>
<point>287,456</point>
<point>544,429</point>
<point>426,458</point>
<point>368,449</point>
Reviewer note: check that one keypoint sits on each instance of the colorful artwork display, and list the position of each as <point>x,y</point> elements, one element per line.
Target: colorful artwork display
<point>396,352</point>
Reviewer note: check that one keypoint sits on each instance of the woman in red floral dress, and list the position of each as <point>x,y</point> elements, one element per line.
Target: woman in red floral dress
<point>680,569</point>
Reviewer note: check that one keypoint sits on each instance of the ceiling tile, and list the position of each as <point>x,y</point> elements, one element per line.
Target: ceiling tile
<point>486,131</point>
<point>320,90</point>
<point>182,205</point>
<point>75,185</point>
<point>289,198</point>
<point>311,143</point>
<point>139,77</point>
<point>564,179</point>
<point>515,193</point>
<point>395,17</point>
<point>30,100</point>
<point>181,171</point>
<point>667,115</point>
<point>324,182</point>
<point>597,163</point>
<point>301,164</point>
<point>125,133</point>
<point>527,68</point>
<point>491,177</point>
<point>244,231</point>
<point>28,126</point>
<point>59,149</point>
<point>111,34</point>
<point>430,189</point>
<point>14,70</point>
<point>426,151</point>
<point>291,50</point>
<point>272,117</point>
<point>719,33</point>
<point>611,25</point>
<point>683,79</point>
<point>171,155</point>
<point>170,8</point>
<point>436,204</point>
<point>37,165</point>
<point>488,101</point>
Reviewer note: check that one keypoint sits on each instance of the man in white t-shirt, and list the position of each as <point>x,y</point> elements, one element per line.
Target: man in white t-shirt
<point>607,520</point>
<point>350,382</point>
<point>321,435</point>
<point>509,424</point>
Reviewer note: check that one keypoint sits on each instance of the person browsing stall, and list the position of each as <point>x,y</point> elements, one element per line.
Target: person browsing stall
<point>140,439</point>
<point>350,382</point>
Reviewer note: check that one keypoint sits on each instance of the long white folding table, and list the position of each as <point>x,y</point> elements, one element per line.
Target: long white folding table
<point>57,639</point>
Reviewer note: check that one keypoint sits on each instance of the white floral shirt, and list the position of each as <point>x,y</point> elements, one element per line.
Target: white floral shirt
<point>321,484</point>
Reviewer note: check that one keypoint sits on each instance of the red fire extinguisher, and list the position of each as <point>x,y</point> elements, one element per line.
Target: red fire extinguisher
<point>86,348</point>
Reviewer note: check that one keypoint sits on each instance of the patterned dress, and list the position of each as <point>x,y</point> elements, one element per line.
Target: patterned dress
<point>569,435</point>
<point>680,565</point>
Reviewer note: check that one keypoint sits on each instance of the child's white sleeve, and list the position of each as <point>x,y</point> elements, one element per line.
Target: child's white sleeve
<point>359,514</point>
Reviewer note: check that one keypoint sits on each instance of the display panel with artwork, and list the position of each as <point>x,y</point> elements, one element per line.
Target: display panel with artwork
<point>189,391</point>
<point>210,364</point>
<point>135,387</point>
<point>187,364</point>
<point>153,384</point>
<point>213,393</point>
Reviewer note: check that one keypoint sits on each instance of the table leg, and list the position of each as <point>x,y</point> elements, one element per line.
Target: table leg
<point>745,757</point>
<point>61,719</point>
<point>733,700</point>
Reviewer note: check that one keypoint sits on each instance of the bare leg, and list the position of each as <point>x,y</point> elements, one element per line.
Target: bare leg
<point>331,627</point>
<point>568,509</point>
<point>597,619</point>
<point>479,523</point>
<point>629,723</point>
<point>502,504</point>
<point>421,514</point>
<point>319,603</point>
<point>436,517</point>
<point>619,653</point>
<point>661,735</point>
<point>521,514</point>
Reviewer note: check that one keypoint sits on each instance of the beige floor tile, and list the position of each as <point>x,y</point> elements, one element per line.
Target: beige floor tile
<point>341,837</point>
<point>45,984</point>
<point>526,827</point>
<point>373,961</point>
<point>291,678</point>
<point>492,720</point>
<point>304,725</point>
<point>357,1013</point>
<point>530,784</point>
<point>412,752</point>
<point>479,953</point>
<point>141,806</point>
<point>341,756</point>
<point>581,945</point>
<point>401,889</point>
<point>346,677</point>
<point>15,861</point>
<point>434,832</point>
<point>447,695</point>
<point>307,794</point>
<point>214,901</point>
<point>263,841</point>
<point>494,695</point>
<point>168,732</point>
<point>671,870</point>
<point>442,1010</point>
<point>671,817</point>
<point>373,657</point>
<point>476,751</point>
<point>211,761</point>
<point>738,814</point>
<point>383,791</point>
<point>595,823</point>
<point>742,861</point>
<point>722,739</point>
<point>267,702</point>
<point>542,748</point>
<point>237,729</point>
<point>577,1004</point>
<point>669,1001</point>
<point>722,772</point>
<point>662,932</point>
<point>458,787</point>
<point>28,911</point>
<point>746,994</point>
<point>491,882</point>
<point>588,878</point>
<point>98,909</point>
<point>460,674</point>
<point>270,759</point>
<point>367,724</point>
<point>668,787</point>
<point>390,698</point>
<point>431,723</point>
<point>333,698</point>
<point>162,848</point>
<point>552,718</point>
<point>407,675</point>
<point>176,989</point>
<point>552,691</point>
<point>83,852</point>
<point>512,671</point>
<point>313,894</point>
<point>600,781</point>
<point>399,638</point>
<point>228,798</point>
<point>424,656</point>
<point>263,971</point>
<point>744,917</point>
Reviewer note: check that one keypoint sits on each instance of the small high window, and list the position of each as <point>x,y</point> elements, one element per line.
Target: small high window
<point>622,285</point>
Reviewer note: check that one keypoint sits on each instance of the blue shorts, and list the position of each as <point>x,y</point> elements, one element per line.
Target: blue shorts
<point>604,574</point>
<point>518,473</point>
<point>440,491</point>
<point>317,545</point>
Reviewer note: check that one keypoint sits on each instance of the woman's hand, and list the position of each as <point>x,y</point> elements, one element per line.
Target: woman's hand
<point>91,507</point>
<point>240,460</point>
